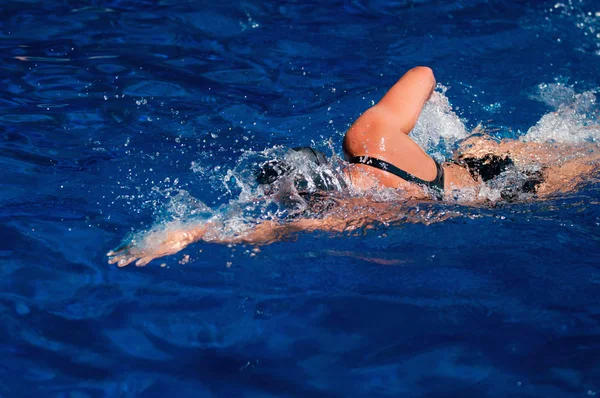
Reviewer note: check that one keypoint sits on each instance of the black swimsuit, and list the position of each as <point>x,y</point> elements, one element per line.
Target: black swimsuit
<point>437,185</point>
<point>270,171</point>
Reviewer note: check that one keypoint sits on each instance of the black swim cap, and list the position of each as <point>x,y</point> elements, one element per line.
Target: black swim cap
<point>271,170</point>
<point>313,155</point>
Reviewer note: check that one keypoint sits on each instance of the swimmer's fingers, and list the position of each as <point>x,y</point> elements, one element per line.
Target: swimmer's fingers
<point>141,258</point>
<point>120,249</point>
<point>124,255</point>
<point>132,254</point>
<point>143,261</point>
<point>165,248</point>
<point>123,260</point>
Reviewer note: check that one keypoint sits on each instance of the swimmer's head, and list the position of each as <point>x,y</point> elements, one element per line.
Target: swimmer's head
<point>273,170</point>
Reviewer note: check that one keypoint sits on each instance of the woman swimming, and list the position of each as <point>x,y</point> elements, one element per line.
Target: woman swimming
<point>381,155</point>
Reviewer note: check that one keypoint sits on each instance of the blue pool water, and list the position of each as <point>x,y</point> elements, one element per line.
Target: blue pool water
<point>115,115</point>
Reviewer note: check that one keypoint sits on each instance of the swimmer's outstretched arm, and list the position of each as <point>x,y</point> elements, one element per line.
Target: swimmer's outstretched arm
<point>171,238</point>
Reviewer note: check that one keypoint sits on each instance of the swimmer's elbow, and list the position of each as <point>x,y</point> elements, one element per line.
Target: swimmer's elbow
<point>424,74</point>
<point>424,70</point>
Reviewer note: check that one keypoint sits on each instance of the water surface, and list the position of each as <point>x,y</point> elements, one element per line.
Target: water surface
<point>107,109</point>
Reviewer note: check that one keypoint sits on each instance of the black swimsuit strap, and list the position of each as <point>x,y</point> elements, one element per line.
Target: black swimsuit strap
<point>437,184</point>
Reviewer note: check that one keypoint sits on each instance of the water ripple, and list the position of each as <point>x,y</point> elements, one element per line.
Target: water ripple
<point>104,108</point>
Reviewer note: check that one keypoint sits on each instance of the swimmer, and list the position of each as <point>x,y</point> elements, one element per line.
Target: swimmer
<point>381,155</point>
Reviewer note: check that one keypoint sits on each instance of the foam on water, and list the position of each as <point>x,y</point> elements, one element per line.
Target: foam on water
<point>575,118</point>
<point>439,128</point>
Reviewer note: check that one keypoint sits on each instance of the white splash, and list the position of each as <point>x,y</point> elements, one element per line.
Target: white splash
<point>574,120</point>
<point>438,127</point>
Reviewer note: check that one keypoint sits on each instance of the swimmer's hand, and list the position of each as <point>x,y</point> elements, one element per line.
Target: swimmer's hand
<point>158,242</point>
